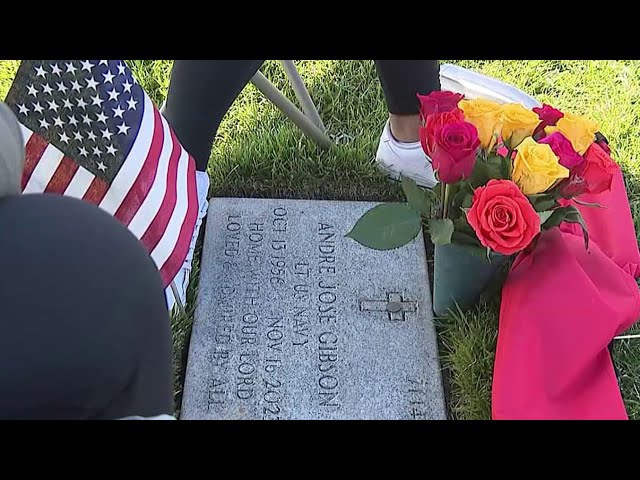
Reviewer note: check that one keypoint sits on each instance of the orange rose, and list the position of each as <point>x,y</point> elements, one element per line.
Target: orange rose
<point>502,217</point>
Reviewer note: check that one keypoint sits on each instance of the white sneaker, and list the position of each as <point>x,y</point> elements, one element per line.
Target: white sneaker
<point>181,280</point>
<point>395,158</point>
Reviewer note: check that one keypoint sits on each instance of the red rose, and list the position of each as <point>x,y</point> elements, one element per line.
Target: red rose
<point>593,176</point>
<point>561,146</point>
<point>453,149</point>
<point>435,121</point>
<point>548,116</point>
<point>438,101</point>
<point>502,217</point>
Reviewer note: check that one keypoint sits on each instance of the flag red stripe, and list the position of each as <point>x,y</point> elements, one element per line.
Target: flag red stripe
<point>62,176</point>
<point>35,147</point>
<point>159,224</point>
<point>96,191</point>
<point>140,188</point>
<point>174,263</point>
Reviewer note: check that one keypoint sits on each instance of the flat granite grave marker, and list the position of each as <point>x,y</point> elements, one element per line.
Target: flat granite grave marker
<point>296,321</point>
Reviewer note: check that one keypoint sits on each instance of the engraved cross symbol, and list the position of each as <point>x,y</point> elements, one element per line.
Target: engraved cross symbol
<point>395,306</point>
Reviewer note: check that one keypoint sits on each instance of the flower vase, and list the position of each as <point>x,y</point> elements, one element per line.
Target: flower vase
<point>459,276</point>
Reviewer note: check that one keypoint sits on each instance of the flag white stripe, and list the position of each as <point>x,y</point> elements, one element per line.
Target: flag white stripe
<point>79,183</point>
<point>26,133</point>
<point>151,204</point>
<point>46,167</point>
<point>132,165</point>
<point>171,236</point>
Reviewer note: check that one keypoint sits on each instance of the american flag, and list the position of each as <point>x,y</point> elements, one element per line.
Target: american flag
<point>91,132</point>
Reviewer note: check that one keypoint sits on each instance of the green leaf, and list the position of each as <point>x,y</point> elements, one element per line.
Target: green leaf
<point>463,197</point>
<point>484,170</point>
<point>494,161</point>
<point>467,202</point>
<point>555,219</point>
<point>569,215</point>
<point>441,230</point>
<point>464,238</point>
<point>573,216</point>
<point>543,202</point>
<point>544,216</point>
<point>480,174</point>
<point>494,166</point>
<point>417,198</point>
<point>387,226</point>
<point>461,226</point>
<point>505,168</point>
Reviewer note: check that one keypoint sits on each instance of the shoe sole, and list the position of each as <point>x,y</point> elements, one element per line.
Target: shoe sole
<point>395,176</point>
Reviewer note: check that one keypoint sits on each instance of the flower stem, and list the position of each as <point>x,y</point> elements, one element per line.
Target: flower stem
<point>443,187</point>
<point>445,208</point>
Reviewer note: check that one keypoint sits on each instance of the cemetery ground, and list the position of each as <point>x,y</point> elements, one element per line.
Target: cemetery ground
<point>259,153</point>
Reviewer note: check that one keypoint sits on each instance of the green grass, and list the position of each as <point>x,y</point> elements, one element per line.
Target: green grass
<point>260,154</point>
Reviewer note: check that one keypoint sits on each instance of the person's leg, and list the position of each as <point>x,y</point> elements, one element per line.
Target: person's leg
<point>85,328</point>
<point>200,93</point>
<point>401,81</point>
<point>400,151</point>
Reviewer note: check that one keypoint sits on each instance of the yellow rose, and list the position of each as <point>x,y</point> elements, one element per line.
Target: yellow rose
<point>580,131</point>
<point>486,117</point>
<point>536,167</point>
<point>517,123</point>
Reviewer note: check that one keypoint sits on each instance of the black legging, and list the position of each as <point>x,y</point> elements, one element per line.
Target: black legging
<point>84,327</point>
<point>201,92</point>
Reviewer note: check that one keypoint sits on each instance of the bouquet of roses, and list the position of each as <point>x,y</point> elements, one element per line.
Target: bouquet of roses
<point>505,174</point>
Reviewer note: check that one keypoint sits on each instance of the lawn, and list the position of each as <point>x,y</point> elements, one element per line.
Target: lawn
<point>259,154</point>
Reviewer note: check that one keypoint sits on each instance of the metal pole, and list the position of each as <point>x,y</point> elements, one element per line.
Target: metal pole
<point>302,94</point>
<point>291,111</point>
<point>174,289</point>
